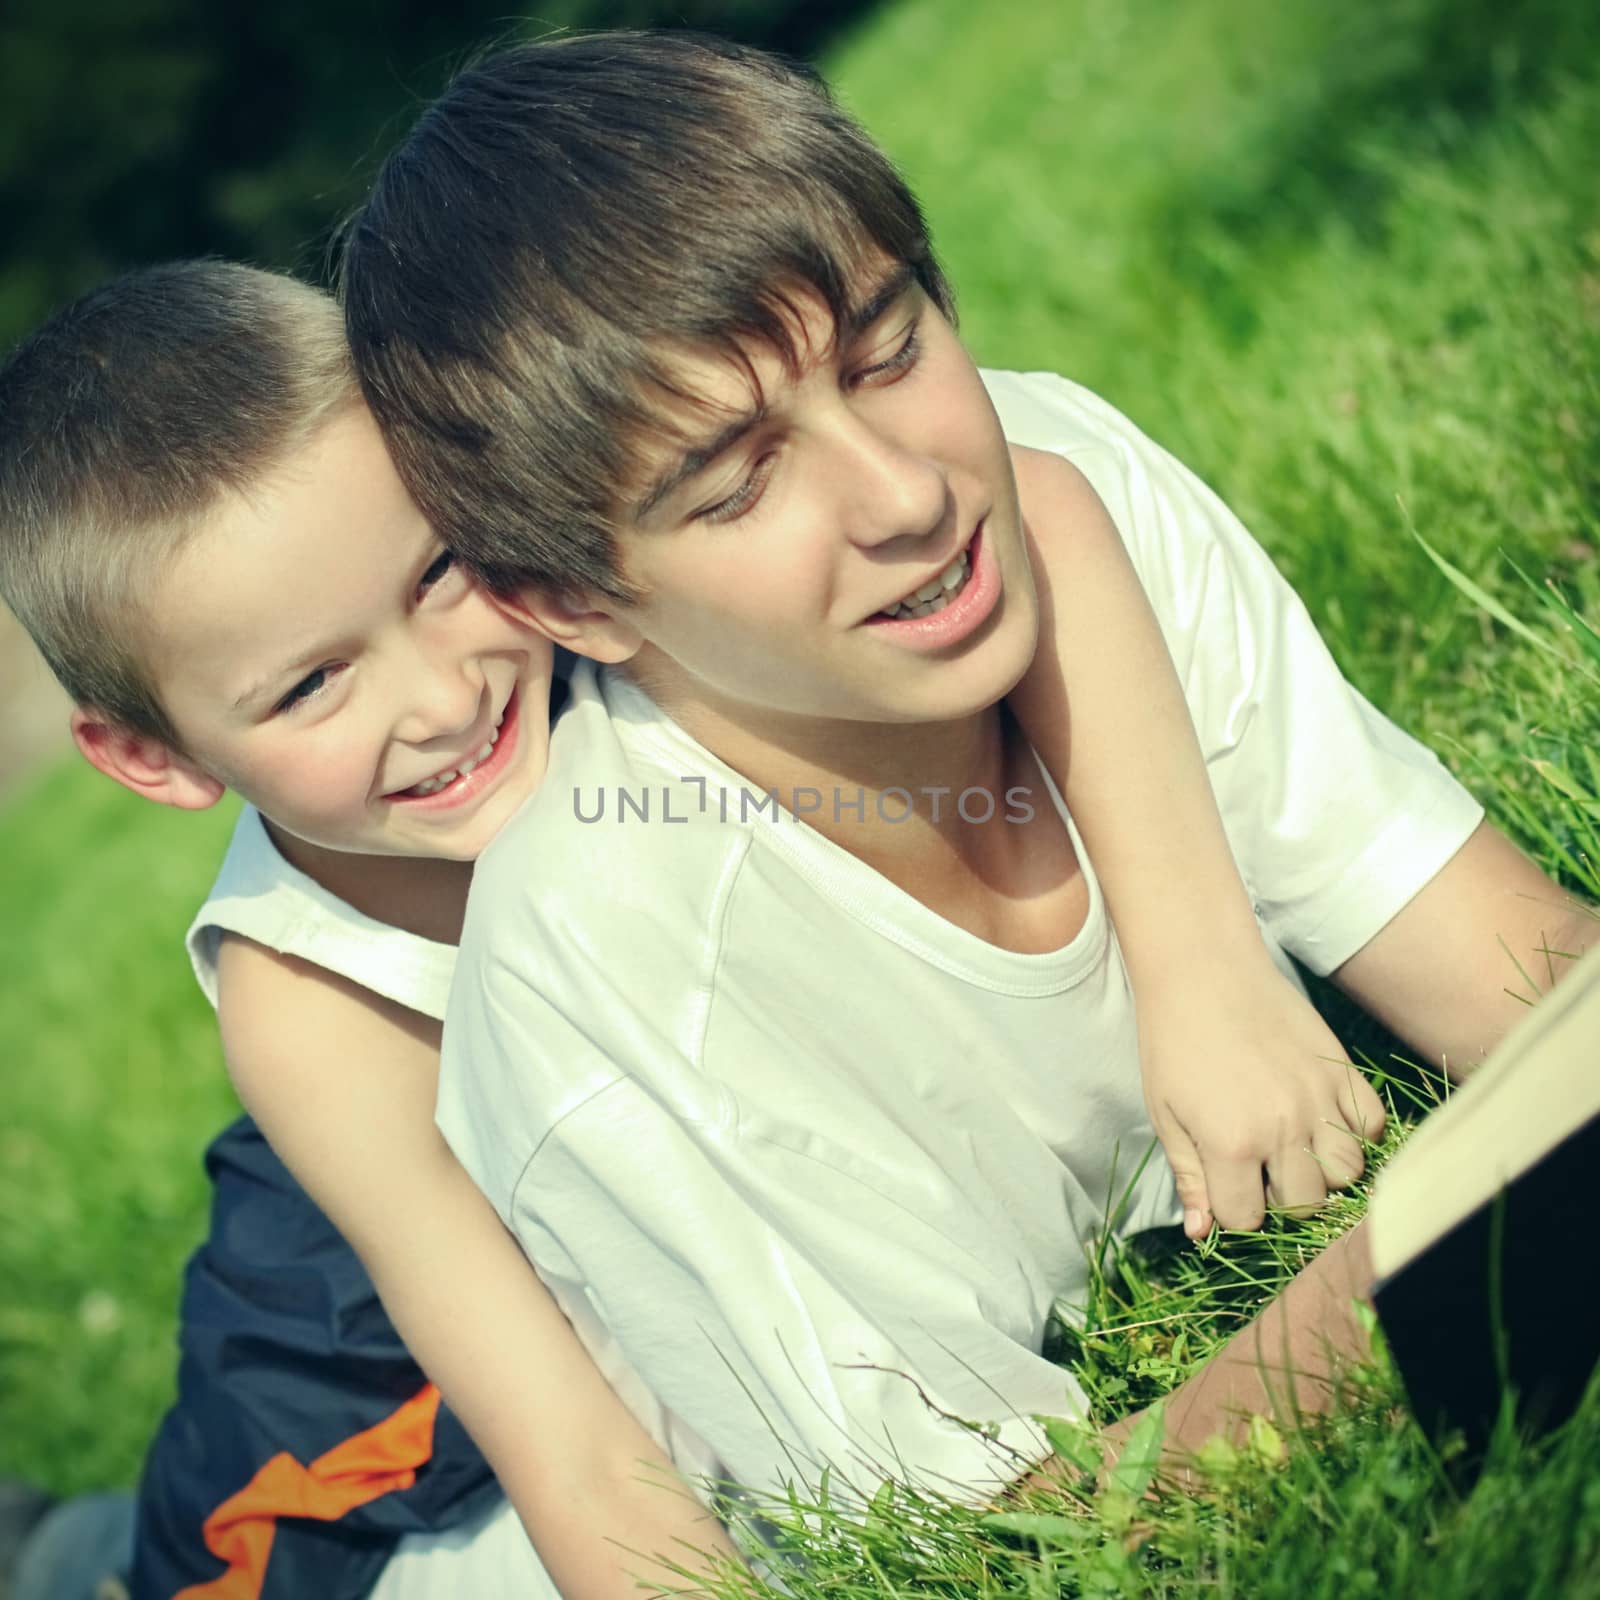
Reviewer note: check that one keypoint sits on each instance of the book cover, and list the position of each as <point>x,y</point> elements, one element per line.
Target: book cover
<point>1484,1229</point>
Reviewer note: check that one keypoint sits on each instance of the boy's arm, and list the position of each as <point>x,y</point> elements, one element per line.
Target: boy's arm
<point>1286,1363</point>
<point>343,1085</point>
<point>1240,1074</point>
<point>1455,968</point>
<point>1450,973</point>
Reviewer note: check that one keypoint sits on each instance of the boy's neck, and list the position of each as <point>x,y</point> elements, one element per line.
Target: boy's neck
<point>957,814</point>
<point>425,897</point>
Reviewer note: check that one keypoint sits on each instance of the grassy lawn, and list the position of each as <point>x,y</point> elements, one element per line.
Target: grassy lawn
<point>113,1086</point>
<point>1345,261</point>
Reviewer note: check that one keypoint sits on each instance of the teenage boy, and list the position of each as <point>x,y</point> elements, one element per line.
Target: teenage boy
<point>811,1125</point>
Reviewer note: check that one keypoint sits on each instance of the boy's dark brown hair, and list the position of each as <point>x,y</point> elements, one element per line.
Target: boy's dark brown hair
<point>124,421</point>
<point>560,220</point>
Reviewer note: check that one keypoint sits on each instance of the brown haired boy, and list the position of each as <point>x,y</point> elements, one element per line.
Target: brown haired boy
<point>789,1115</point>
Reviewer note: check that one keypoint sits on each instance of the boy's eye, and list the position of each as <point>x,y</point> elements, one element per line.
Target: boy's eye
<point>744,498</point>
<point>903,359</point>
<point>308,688</point>
<point>437,571</point>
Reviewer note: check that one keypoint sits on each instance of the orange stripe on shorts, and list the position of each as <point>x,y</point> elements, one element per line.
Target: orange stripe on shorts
<point>355,1472</point>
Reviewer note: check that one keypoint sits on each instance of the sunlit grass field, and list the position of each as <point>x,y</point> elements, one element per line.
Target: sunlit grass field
<point>1345,261</point>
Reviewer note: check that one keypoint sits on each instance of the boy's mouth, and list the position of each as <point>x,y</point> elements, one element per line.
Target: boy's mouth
<point>441,781</point>
<point>933,595</point>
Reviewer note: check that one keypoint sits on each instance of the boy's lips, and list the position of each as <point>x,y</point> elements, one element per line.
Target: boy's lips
<point>963,605</point>
<point>460,786</point>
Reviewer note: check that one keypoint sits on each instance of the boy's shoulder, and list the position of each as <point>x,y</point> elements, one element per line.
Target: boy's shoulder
<point>1139,484</point>
<point>261,896</point>
<point>1068,444</point>
<point>1199,567</point>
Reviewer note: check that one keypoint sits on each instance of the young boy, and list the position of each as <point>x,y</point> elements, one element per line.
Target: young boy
<point>203,532</point>
<point>812,1126</point>
<point>205,535</point>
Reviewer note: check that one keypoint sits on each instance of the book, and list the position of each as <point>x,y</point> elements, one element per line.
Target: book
<point>1483,1229</point>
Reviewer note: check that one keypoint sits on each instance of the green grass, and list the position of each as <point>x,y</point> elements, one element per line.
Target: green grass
<point>1345,261</point>
<point>112,1085</point>
<point>1355,1503</point>
<point>1358,1503</point>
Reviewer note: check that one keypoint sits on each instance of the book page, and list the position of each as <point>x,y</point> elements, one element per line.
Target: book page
<point>1539,1085</point>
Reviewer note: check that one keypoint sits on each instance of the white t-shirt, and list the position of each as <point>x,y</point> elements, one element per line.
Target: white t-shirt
<point>260,895</point>
<point>781,1139</point>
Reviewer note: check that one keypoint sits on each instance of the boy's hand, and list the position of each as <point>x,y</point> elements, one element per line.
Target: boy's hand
<point>1252,1098</point>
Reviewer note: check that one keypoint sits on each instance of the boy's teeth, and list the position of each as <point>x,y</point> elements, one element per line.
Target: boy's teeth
<point>934,595</point>
<point>480,755</point>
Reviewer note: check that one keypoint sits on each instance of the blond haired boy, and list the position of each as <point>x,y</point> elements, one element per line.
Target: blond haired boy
<point>200,526</point>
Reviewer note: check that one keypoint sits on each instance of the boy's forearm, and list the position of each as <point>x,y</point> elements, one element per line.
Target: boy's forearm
<point>1457,967</point>
<point>659,1541</point>
<point>1287,1363</point>
<point>1103,707</point>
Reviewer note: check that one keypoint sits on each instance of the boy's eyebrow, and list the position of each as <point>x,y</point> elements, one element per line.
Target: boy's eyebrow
<point>857,319</point>
<point>697,459</point>
<point>888,289</point>
<point>267,684</point>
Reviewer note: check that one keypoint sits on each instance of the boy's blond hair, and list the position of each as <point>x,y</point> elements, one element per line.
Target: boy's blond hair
<point>124,420</point>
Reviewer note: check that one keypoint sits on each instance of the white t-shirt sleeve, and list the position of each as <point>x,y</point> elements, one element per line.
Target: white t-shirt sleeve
<point>1337,817</point>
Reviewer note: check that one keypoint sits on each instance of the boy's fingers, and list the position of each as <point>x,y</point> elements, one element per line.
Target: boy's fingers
<point>1185,1162</point>
<point>1295,1181</point>
<point>1237,1194</point>
<point>1338,1153</point>
<point>1361,1106</point>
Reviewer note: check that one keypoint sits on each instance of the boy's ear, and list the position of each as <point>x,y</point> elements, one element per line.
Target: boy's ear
<point>145,765</point>
<point>577,621</point>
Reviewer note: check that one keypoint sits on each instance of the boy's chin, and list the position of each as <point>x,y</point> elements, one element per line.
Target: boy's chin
<point>333,863</point>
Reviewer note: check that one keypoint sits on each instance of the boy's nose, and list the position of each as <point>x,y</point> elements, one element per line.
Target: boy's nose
<point>443,703</point>
<point>889,491</point>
